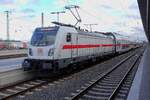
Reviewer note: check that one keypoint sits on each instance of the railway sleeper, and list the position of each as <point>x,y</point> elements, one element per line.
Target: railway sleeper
<point>13,90</point>
<point>96,97</point>
<point>3,94</point>
<point>114,77</point>
<point>107,84</point>
<point>119,99</point>
<point>28,85</point>
<point>126,85</point>
<point>34,83</point>
<point>101,91</point>
<point>106,94</point>
<point>20,87</point>
<point>123,91</point>
<point>128,82</point>
<point>17,89</point>
<point>106,87</point>
<point>121,95</point>
<point>110,81</point>
<point>125,88</point>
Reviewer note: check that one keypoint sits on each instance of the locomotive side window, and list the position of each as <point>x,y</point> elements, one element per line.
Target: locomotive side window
<point>68,37</point>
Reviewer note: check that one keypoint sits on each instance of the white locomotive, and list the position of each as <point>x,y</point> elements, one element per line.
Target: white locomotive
<point>57,47</point>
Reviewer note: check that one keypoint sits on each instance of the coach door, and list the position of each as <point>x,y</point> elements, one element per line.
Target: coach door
<point>74,45</point>
<point>69,43</point>
<point>71,40</point>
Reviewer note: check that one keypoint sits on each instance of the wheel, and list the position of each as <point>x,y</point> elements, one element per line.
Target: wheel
<point>26,69</point>
<point>55,67</point>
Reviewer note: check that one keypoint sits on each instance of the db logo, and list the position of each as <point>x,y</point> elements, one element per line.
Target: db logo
<point>40,50</point>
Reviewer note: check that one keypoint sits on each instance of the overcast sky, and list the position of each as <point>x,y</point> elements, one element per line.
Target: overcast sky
<point>120,16</point>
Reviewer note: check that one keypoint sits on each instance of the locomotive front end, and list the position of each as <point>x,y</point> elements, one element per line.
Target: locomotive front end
<point>41,49</point>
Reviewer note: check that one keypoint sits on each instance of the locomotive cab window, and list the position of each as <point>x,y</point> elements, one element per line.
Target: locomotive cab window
<point>44,36</point>
<point>68,37</point>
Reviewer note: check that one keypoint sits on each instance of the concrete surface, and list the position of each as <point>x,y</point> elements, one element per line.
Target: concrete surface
<point>140,89</point>
<point>14,76</point>
<point>11,64</point>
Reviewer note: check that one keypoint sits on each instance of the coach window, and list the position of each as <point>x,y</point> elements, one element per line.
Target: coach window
<point>68,37</point>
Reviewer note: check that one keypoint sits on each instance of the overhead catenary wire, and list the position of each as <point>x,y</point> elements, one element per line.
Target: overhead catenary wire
<point>91,14</point>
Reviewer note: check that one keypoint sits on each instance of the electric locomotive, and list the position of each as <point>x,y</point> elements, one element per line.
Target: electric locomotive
<point>57,47</point>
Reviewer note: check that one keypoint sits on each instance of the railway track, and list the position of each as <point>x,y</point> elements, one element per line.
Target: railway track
<point>23,87</point>
<point>27,86</point>
<point>108,85</point>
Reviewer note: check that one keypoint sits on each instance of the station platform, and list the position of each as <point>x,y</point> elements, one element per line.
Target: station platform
<point>140,89</point>
<point>14,76</point>
<point>12,52</point>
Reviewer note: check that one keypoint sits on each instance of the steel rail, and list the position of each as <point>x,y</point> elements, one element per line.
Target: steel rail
<point>84,91</point>
<point>24,90</point>
<point>123,79</point>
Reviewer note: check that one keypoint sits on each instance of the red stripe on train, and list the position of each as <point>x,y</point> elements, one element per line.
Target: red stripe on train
<point>91,46</point>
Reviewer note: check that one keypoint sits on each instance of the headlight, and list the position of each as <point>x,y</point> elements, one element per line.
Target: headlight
<point>51,52</point>
<point>30,52</point>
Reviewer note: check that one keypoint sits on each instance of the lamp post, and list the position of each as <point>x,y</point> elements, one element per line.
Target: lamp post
<point>42,19</point>
<point>7,25</point>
